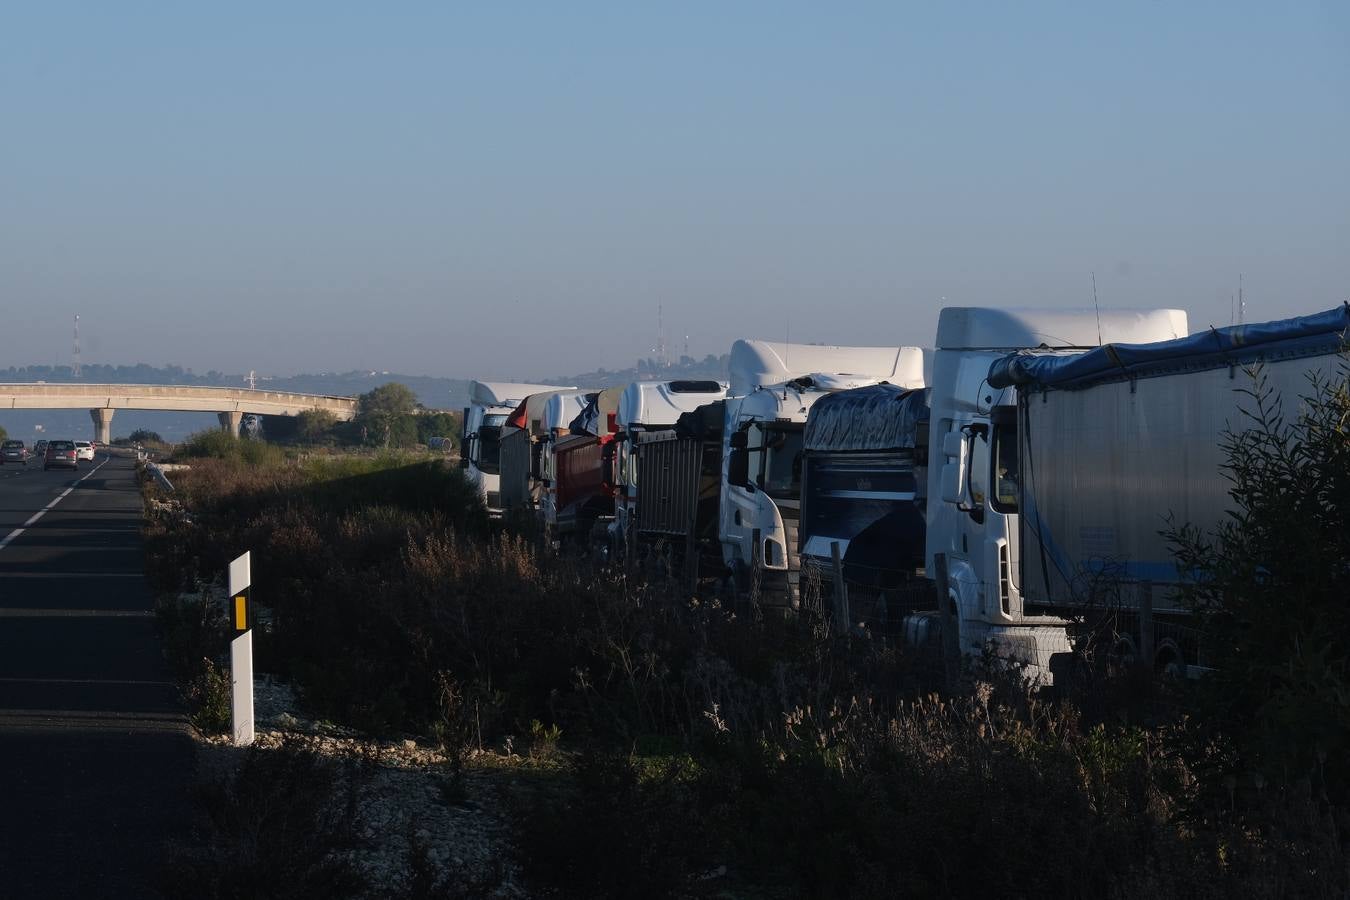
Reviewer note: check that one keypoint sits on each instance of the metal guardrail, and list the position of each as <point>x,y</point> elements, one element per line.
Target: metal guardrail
<point>160,478</point>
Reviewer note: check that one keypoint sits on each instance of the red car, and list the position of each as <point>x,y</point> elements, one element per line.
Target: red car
<point>60,454</point>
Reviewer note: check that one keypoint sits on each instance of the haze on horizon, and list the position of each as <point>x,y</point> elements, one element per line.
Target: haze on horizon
<point>493,192</point>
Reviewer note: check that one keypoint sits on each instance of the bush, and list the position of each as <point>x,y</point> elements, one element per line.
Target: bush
<point>1273,596</point>
<point>620,829</point>
<point>219,444</point>
<point>210,705</point>
<point>278,828</point>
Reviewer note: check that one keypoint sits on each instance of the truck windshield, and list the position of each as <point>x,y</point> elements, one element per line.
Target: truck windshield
<point>782,474</point>
<point>1006,475</point>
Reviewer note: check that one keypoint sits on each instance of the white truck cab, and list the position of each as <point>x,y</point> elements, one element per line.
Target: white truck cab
<point>490,402</point>
<point>972,520</point>
<point>773,386</point>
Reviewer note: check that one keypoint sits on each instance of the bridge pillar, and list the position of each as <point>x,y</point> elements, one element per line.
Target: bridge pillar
<point>231,422</point>
<point>102,417</point>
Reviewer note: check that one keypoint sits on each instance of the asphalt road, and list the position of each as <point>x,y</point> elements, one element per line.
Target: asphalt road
<point>95,757</point>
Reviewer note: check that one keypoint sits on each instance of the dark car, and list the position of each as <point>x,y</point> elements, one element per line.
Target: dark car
<point>13,452</point>
<point>60,454</point>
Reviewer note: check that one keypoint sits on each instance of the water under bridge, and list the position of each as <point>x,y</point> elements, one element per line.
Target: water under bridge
<point>230,404</point>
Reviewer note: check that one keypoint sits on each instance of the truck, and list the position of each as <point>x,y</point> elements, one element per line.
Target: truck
<point>680,470</point>
<point>523,438</point>
<point>578,489</point>
<point>773,387</point>
<point>973,548</point>
<point>1103,452</point>
<point>490,402</point>
<point>863,496</point>
<point>647,407</point>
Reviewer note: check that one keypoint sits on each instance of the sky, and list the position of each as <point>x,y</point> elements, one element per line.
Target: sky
<point>510,190</point>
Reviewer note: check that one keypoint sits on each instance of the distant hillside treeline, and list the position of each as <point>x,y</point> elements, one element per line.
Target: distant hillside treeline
<point>710,367</point>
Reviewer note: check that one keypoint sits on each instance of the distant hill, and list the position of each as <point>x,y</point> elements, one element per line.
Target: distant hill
<point>714,368</point>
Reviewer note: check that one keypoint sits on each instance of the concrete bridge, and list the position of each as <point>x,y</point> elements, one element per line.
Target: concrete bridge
<point>230,404</point>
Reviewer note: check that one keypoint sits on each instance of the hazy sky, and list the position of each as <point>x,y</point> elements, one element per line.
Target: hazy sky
<point>512,189</point>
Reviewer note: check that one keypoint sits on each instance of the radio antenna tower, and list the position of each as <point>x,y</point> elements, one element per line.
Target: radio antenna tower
<point>661,338</point>
<point>252,380</point>
<point>75,370</point>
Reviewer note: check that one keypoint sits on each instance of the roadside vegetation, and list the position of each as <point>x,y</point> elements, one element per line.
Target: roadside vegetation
<point>388,417</point>
<point>667,747</point>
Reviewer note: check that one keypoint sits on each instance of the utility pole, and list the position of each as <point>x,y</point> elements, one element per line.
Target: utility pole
<point>75,370</point>
<point>1242,303</point>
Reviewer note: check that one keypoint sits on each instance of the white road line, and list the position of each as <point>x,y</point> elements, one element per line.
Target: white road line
<point>7,539</point>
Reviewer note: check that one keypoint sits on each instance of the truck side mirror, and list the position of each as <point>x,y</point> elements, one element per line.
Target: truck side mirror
<point>740,440</point>
<point>738,469</point>
<point>465,438</point>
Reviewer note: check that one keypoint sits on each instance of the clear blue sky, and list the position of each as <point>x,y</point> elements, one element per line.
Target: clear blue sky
<point>512,189</point>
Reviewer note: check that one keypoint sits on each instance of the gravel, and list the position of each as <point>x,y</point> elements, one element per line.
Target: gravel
<point>411,804</point>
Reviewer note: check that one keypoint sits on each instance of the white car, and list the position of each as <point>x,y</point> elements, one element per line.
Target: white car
<point>84,450</point>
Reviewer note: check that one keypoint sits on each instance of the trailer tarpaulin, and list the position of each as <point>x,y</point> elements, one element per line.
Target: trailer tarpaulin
<point>876,417</point>
<point>1236,345</point>
<point>588,420</point>
<point>704,423</point>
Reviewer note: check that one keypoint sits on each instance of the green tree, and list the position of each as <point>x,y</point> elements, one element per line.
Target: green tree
<point>1271,589</point>
<point>382,413</point>
<point>314,426</point>
<point>435,423</point>
<point>4,435</point>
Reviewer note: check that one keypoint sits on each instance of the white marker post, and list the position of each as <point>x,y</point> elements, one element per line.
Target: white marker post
<point>241,651</point>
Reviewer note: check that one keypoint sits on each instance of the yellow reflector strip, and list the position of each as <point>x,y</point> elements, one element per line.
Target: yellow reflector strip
<point>240,614</point>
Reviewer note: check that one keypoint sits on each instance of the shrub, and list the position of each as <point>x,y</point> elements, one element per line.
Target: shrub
<point>1273,594</point>
<point>209,699</point>
<point>278,828</point>
<point>620,829</point>
<point>220,444</point>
